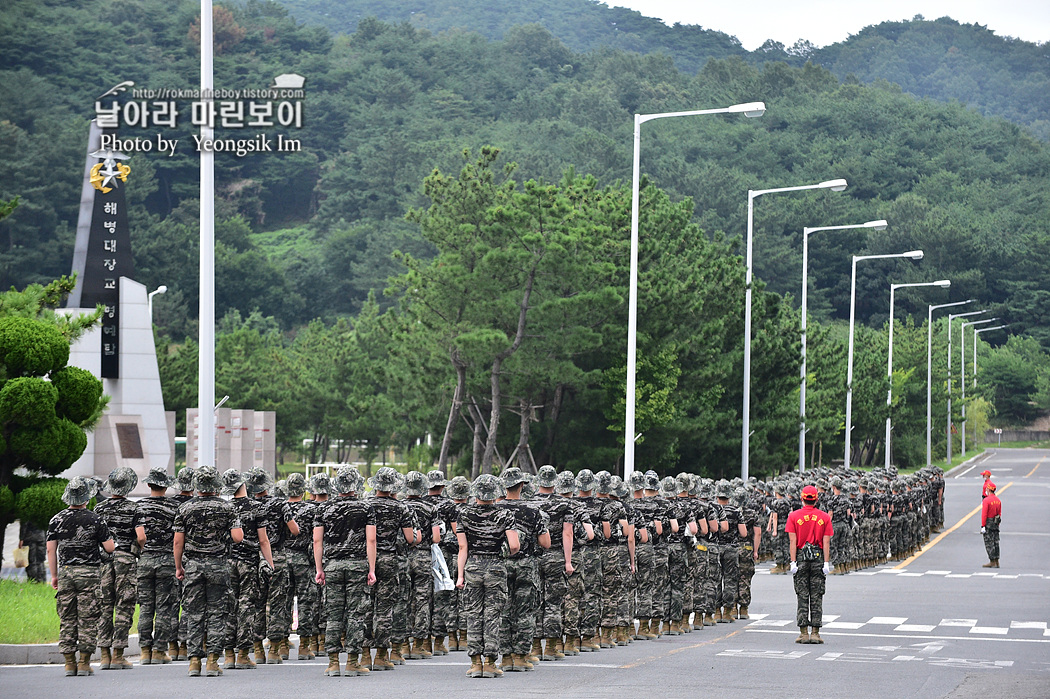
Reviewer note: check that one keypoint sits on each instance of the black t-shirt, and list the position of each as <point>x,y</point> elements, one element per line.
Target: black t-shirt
<point>389,517</point>
<point>119,515</point>
<point>206,522</point>
<point>156,515</point>
<point>559,510</point>
<point>277,514</point>
<point>485,527</point>
<point>79,533</point>
<point>613,511</point>
<point>303,514</point>
<point>530,522</point>
<point>252,518</point>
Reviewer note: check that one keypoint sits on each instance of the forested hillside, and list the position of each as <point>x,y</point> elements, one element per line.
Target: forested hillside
<point>353,231</point>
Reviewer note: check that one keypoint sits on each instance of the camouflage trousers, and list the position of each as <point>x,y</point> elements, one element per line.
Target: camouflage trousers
<point>421,592</point>
<point>402,603</point>
<point>697,576</point>
<point>275,594</point>
<point>747,572</point>
<point>348,599</point>
<point>867,538</point>
<point>729,567</point>
<point>78,608</point>
<point>678,578</point>
<point>580,606</point>
<point>205,601</point>
<point>616,575</point>
<point>991,538</point>
<point>809,590</point>
<point>301,585</point>
<point>838,545</point>
<point>178,620</point>
<point>781,554</point>
<point>485,596</point>
<point>687,586</point>
<point>445,618</point>
<point>712,577</point>
<point>519,620</point>
<point>896,537</point>
<point>380,622</point>
<point>242,623</point>
<point>660,581</point>
<point>553,586</point>
<point>157,592</point>
<point>644,579</point>
<point>116,597</point>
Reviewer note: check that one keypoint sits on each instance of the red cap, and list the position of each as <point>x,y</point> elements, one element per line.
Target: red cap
<point>989,485</point>
<point>810,493</point>
<point>986,473</point>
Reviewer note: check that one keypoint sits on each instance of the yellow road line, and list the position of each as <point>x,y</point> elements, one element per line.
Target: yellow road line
<point>1036,466</point>
<point>943,534</point>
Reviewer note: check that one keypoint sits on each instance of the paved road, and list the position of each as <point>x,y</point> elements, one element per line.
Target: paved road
<point>938,625</point>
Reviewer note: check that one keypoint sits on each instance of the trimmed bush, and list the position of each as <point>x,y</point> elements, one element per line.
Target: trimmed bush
<point>31,347</point>
<point>39,503</point>
<point>78,393</point>
<point>28,401</point>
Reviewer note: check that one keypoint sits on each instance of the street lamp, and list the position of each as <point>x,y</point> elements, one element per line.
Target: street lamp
<point>948,428</point>
<point>206,311</point>
<point>911,255</point>
<point>976,332</point>
<point>752,194</point>
<point>879,225</point>
<point>962,374</point>
<point>749,109</point>
<point>942,283</point>
<point>149,298</point>
<point>929,374</point>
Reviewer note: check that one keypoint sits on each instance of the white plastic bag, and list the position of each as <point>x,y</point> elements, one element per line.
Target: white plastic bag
<point>442,580</point>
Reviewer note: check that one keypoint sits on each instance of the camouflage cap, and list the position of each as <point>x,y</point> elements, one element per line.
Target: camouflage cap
<point>385,479</point>
<point>739,497</point>
<point>652,480</point>
<point>683,482</point>
<point>280,490</point>
<point>416,484</point>
<point>207,480</point>
<point>617,482</point>
<point>585,480</point>
<point>256,480</point>
<point>565,483</point>
<point>346,480</point>
<point>637,480</point>
<point>232,480</point>
<point>122,480</point>
<point>296,485</point>
<point>723,489</point>
<point>79,491</point>
<point>512,476</point>
<point>547,477</point>
<point>667,487</point>
<point>184,478</point>
<point>604,481</point>
<point>458,488</point>
<point>436,479</point>
<point>158,478</point>
<point>621,490</point>
<point>486,487</point>
<point>528,490</point>
<point>320,484</point>
<point>836,482</point>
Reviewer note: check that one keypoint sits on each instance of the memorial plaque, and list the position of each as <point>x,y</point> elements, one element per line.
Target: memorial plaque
<point>129,440</point>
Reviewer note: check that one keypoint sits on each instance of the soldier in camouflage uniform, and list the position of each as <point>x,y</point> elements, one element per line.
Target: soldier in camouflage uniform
<point>244,623</point>
<point>440,627</point>
<point>684,486</point>
<point>459,492</point>
<point>395,530</point>
<point>300,561</point>
<point>117,586</point>
<point>617,563</point>
<point>184,482</point>
<point>749,517</point>
<point>518,625</point>
<point>344,552</point>
<point>584,553</point>
<point>591,568</point>
<point>274,587</point>
<point>645,557</point>
<point>677,573</point>
<point>781,508</point>
<point>697,555</point>
<point>420,573</point>
<point>482,573</point>
<point>555,565</point>
<point>716,526</point>
<point>35,539</point>
<point>156,585</point>
<point>318,487</point>
<point>203,527</point>
<point>73,539</point>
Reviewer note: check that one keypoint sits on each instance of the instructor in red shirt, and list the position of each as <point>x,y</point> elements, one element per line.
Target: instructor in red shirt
<point>991,515</point>
<point>809,540</point>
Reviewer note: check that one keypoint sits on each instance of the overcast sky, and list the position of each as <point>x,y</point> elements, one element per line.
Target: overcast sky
<point>824,22</point>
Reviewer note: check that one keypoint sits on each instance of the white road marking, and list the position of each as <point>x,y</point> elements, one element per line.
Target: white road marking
<point>996,630</point>
<point>775,654</point>
<point>899,635</point>
<point>893,620</point>
<point>915,627</point>
<point>958,622</point>
<point>1028,625</point>
<point>843,625</point>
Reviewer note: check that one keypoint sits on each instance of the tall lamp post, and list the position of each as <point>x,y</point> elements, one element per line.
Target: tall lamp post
<point>942,283</point>
<point>752,194</point>
<point>976,332</point>
<point>879,225</point>
<point>962,375</point>
<point>149,298</point>
<point>206,314</point>
<point>911,255</point>
<point>750,109</point>
<point>929,374</point>
<point>948,428</point>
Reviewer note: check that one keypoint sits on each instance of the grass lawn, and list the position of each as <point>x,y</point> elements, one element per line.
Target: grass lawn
<point>28,615</point>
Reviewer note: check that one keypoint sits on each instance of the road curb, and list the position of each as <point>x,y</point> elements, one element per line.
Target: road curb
<point>953,469</point>
<point>48,653</point>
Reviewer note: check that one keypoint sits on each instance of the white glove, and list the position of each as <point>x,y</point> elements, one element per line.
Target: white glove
<point>982,530</point>
<point>794,567</point>
<point>827,568</point>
